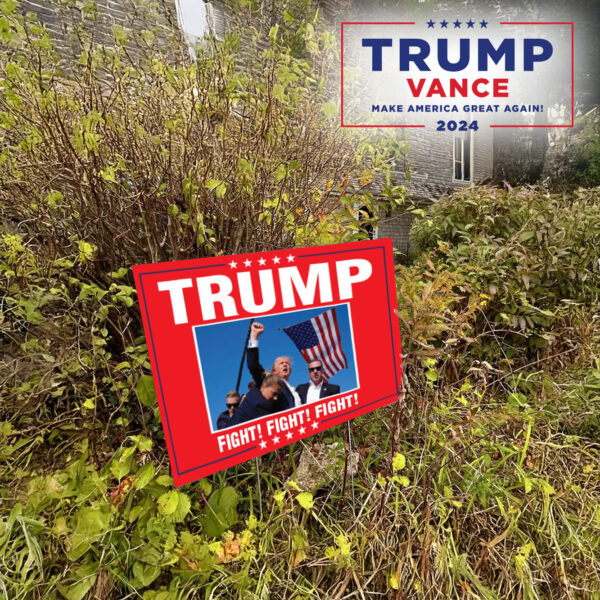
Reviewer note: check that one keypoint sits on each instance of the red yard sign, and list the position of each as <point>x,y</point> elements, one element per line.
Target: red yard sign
<point>321,320</point>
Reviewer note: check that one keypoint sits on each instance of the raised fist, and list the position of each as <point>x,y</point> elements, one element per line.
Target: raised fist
<point>256,330</point>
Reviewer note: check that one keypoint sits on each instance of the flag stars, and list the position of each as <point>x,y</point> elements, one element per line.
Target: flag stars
<point>276,260</point>
<point>263,445</point>
<point>302,431</point>
<point>233,264</point>
<point>275,440</point>
<point>290,258</point>
<point>262,262</point>
<point>289,435</point>
<point>444,24</point>
<point>247,263</point>
<point>315,425</point>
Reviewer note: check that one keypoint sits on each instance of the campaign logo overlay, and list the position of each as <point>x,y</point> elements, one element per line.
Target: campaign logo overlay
<point>456,73</point>
<point>252,352</point>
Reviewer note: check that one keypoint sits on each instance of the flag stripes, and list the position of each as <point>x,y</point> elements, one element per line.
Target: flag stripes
<point>319,339</point>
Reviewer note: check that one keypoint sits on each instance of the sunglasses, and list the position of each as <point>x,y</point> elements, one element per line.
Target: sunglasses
<point>232,405</point>
<point>315,369</point>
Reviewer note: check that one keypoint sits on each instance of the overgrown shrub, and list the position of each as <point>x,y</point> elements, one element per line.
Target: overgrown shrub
<point>145,158</point>
<point>129,157</point>
<point>575,159</point>
<point>523,252</point>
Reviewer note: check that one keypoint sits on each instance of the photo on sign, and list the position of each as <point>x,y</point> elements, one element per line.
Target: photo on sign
<point>311,350</point>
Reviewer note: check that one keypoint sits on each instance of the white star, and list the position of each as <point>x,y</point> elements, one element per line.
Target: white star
<point>262,262</point>
<point>275,440</point>
<point>247,263</point>
<point>290,258</point>
<point>315,425</point>
<point>289,435</point>
<point>276,260</point>
<point>263,445</point>
<point>233,264</point>
<point>301,431</point>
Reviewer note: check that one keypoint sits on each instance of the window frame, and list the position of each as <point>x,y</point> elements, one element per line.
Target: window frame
<point>464,136</point>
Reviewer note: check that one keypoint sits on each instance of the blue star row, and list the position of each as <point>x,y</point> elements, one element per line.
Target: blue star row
<point>470,24</point>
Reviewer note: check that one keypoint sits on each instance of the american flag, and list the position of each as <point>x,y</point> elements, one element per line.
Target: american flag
<point>319,339</point>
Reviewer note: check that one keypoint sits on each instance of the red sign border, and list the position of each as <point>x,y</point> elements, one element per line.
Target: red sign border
<point>383,244</point>
<point>571,23</point>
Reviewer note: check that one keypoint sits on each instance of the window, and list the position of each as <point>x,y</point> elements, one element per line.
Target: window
<point>463,155</point>
<point>366,221</point>
<point>197,18</point>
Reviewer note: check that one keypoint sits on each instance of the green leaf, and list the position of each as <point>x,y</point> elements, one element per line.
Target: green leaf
<point>278,497</point>
<point>252,522</point>
<point>219,187</point>
<point>273,34</point>
<point>213,184</point>
<point>121,463</point>
<point>91,524</point>
<point>108,174</point>
<point>183,508</point>
<point>167,503</point>
<point>7,6</point>
<point>165,480</point>
<point>526,235</point>
<point>86,251</point>
<point>280,173</point>
<point>431,374</point>
<point>89,403</point>
<point>144,476</point>
<point>221,190</point>
<point>245,169</point>
<point>145,391</point>
<point>93,521</point>
<point>85,578</point>
<point>221,511</point>
<point>145,574</point>
<point>205,486</point>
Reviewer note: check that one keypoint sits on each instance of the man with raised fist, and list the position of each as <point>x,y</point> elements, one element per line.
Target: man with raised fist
<point>282,366</point>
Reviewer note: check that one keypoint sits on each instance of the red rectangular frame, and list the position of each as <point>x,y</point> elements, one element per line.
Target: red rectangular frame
<point>175,366</point>
<point>342,124</point>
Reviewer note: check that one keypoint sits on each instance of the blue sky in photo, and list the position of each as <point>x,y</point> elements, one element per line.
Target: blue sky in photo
<point>221,345</point>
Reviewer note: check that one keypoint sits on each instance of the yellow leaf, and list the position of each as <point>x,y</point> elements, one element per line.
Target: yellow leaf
<point>398,462</point>
<point>305,500</point>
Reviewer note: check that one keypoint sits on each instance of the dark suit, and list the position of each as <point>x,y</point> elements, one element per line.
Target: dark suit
<point>327,389</point>
<point>223,420</point>
<point>254,406</point>
<point>258,374</point>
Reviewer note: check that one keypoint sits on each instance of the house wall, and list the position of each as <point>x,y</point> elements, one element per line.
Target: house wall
<point>431,166</point>
<point>61,18</point>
